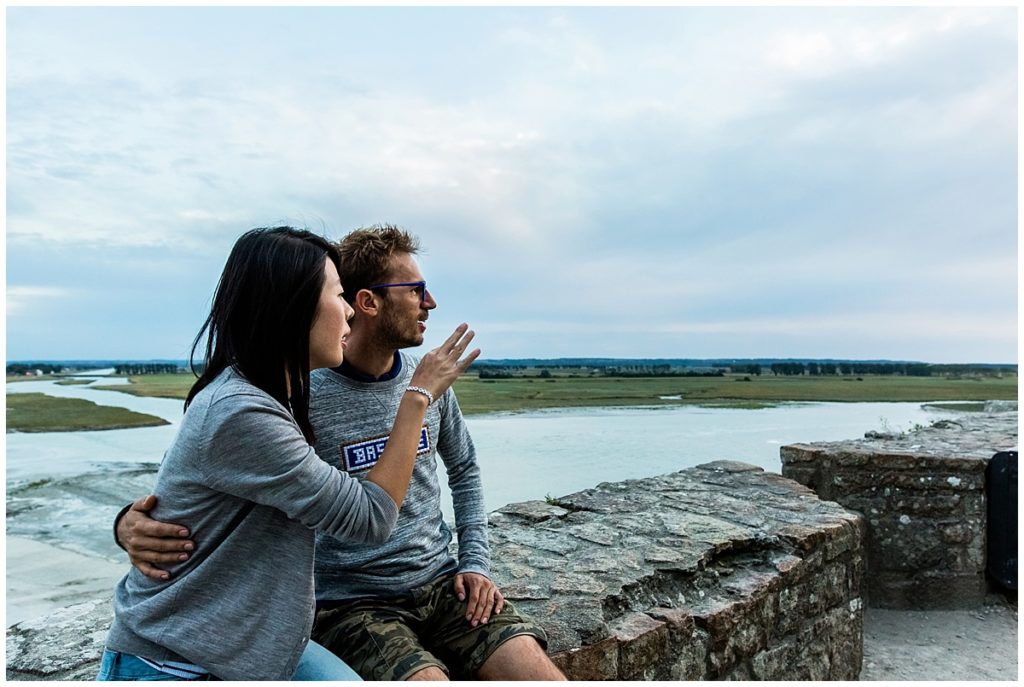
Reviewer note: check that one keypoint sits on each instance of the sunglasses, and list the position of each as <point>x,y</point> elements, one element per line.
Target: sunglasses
<point>421,285</point>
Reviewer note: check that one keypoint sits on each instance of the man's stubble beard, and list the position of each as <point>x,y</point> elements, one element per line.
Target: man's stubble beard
<point>390,335</point>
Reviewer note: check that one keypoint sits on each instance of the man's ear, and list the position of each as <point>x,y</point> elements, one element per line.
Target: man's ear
<point>366,303</point>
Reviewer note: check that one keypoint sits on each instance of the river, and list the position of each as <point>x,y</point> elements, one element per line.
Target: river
<point>63,488</point>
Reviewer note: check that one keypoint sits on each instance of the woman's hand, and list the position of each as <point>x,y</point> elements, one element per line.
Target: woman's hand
<point>439,368</point>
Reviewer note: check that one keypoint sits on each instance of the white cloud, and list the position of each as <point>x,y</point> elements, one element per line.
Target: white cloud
<point>804,52</point>
<point>655,164</point>
<point>932,325</point>
<point>23,299</point>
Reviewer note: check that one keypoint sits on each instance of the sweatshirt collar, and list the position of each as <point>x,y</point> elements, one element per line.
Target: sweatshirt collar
<point>347,370</point>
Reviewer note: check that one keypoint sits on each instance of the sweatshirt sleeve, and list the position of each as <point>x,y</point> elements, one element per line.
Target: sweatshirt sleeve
<point>256,451</point>
<point>455,447</point>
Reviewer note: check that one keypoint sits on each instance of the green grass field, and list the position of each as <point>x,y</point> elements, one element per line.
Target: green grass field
<point>485,395</point>
<point>476,395</point>
<point>159,386</point>
<point>41,413</point>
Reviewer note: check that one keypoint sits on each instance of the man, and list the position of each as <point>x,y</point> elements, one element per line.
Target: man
<point>403,610</point>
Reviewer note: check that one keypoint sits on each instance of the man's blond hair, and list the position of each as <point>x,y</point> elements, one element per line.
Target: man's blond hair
<point>366,255</point>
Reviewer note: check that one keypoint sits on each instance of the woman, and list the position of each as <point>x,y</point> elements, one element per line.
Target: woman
<point>242,471</point>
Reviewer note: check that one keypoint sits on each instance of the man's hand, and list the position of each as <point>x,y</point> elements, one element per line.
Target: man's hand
<point>482,594</point>
<point>150,541</point>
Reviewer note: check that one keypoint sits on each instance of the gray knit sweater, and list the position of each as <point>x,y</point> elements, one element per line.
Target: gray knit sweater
<point>242,605</point>
<point>352,419</point>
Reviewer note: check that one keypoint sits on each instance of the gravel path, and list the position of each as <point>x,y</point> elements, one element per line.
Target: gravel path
<point>978,644</point>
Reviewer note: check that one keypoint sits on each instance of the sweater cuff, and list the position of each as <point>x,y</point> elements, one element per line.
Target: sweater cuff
<point>117,520</point>
<point>475,567</point>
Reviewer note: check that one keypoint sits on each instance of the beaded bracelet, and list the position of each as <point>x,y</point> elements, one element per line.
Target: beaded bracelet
<point>421,390</point>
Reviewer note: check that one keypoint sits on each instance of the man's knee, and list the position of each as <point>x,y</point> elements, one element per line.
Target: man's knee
<point>520,658</point>
<point>428,673</point>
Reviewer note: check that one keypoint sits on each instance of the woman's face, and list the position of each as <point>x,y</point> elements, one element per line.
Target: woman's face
<point>330,329</point>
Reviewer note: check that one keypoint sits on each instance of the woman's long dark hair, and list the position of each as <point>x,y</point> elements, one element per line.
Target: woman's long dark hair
<point>262,312</point>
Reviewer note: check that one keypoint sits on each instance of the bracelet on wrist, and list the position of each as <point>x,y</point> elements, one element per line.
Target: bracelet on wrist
<point>425,392</point>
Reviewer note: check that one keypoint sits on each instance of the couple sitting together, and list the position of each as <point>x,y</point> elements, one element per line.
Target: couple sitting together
<point>295,531</point>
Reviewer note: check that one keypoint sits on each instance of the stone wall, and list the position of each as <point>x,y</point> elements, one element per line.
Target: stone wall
<point>717,572</point>
<point>922,494</point>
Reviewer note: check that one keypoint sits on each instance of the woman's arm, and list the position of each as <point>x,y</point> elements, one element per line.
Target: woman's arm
<point>251,448</point>
<point>436,372</point>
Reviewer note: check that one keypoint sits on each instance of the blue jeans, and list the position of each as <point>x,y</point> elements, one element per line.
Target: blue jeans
<point>316,663</point>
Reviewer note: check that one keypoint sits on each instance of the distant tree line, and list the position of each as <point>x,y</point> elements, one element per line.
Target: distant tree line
<point>33,368</point>
<point>145,369</point>
<point>815,369</point>
<point>652,372</point>
<point>487,373</point>
<point>750,367</point>
<point>623,371</point>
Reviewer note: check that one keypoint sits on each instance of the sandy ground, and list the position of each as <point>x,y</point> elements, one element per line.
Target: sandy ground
<point>977,644</point>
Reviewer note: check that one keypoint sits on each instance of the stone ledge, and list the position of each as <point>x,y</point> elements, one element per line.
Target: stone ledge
<point>922,494</point>
<point>720,571</point>
<point>717,572</point>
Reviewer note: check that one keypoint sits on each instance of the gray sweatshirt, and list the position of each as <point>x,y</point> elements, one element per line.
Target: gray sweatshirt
<point>352,418</point>
<point>242,478</point>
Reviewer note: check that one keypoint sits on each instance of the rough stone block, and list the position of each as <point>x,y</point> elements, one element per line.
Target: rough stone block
<point>534,511</point>
<point>598,661</point>
<point>65,645</point>
<point>689,662</point>
<point>643,642</point>
<point>922,497</point>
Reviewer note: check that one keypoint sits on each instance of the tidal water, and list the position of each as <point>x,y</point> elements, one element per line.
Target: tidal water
<point>64,488</point>
<point>526,456</point>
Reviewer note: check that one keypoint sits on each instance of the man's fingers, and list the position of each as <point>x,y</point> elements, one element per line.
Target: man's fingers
<point>151,571</point>
<point>146,503</point>
<point>474,600</point>
<point>484,605</point>
<point>499,602</point>
<point>142,544</point>
<point>168,558</point>
<point>155,528</point>
<point>460,588</point>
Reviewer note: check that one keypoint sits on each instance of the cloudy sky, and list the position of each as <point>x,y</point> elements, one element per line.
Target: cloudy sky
<point>659,182</point>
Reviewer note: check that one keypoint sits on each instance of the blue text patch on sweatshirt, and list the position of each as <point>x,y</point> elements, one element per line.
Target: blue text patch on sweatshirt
<point>365,454</point>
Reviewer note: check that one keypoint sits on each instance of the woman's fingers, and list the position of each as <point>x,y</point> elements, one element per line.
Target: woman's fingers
<point>468,360</point>
<point>456,335</point>
<point>439,368</point>
<point>463,344</point>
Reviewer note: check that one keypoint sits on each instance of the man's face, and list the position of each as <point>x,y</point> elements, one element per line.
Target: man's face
<point>404,313</point>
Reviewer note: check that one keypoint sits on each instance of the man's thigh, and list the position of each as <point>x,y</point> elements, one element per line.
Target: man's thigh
<point>375,638</point>
<point>462,647</point>
<point>383,639</point>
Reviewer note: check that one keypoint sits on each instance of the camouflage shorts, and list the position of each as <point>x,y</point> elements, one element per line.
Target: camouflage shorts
<point>390,639</point>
